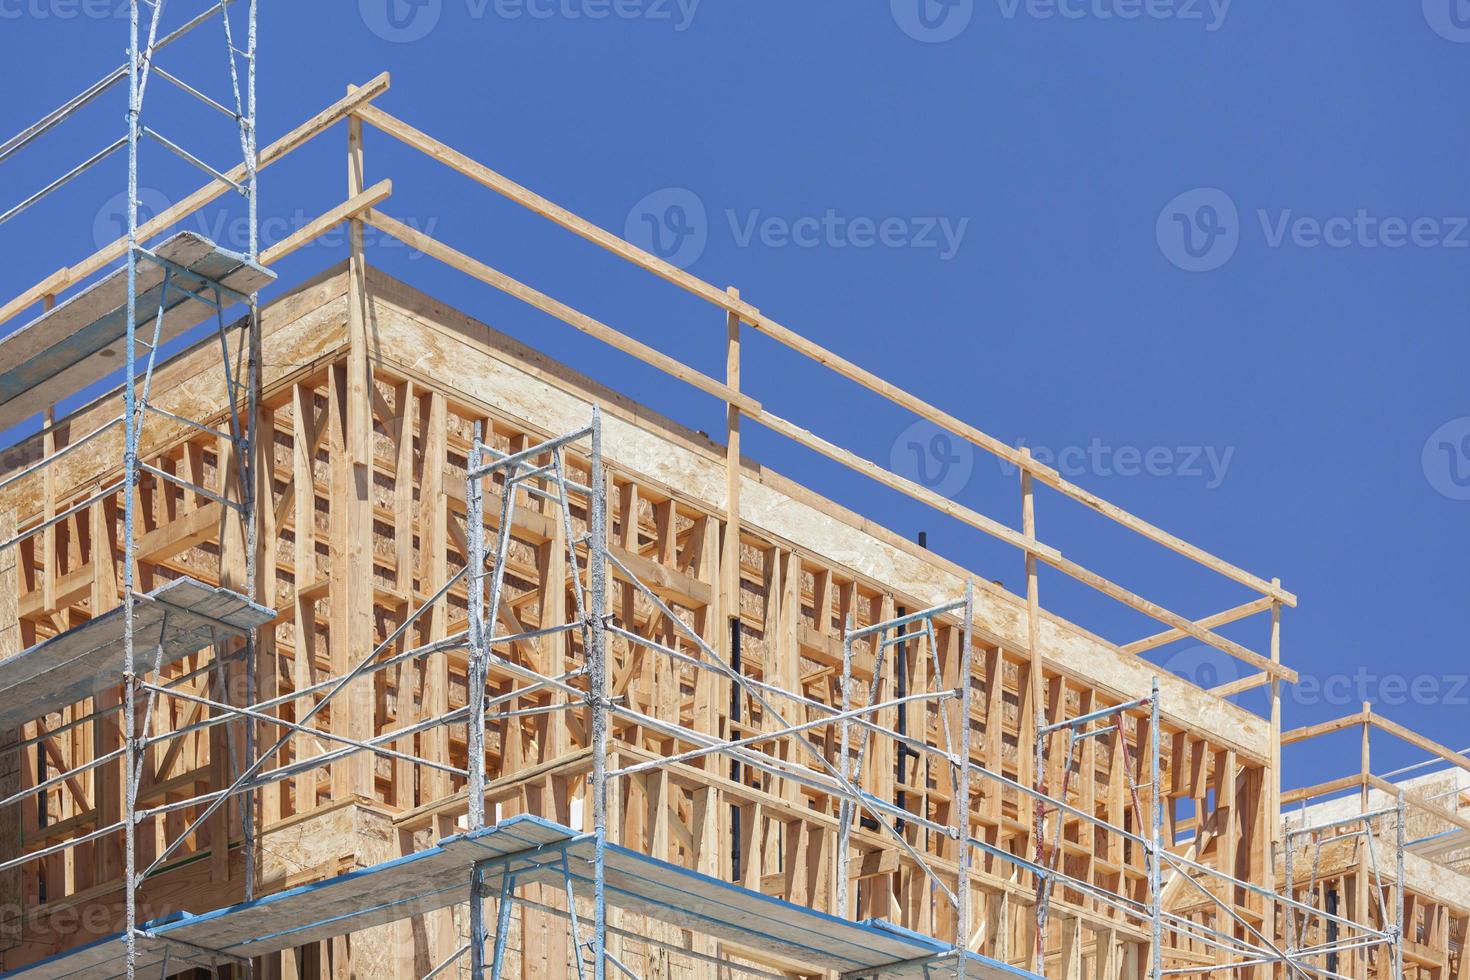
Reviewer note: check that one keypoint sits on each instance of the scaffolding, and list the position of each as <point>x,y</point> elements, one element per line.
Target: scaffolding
<point>186,281</point>
<point>158,294</point>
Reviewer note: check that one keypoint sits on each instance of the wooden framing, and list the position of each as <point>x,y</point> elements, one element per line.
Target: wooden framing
<point>370,391</point>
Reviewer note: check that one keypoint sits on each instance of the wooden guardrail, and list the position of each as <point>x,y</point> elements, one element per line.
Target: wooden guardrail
<point>366,207</point>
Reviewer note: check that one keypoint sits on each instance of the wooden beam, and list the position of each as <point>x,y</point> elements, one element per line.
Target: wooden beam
<point>1209,622</point>
<point>351,208</point>
<point>563,312</point>
<point>104,256</point>
<point>1419,741</point>
<point>1322,728</point>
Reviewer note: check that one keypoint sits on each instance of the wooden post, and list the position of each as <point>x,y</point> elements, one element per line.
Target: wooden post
<point>356,565</point>
<point>1031,814</point>
<point>268,672</point>
<point>304,439</point>
<point>730,560</point>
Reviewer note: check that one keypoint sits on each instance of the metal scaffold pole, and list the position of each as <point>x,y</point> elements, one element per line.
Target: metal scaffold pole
<point>962,789</point>
<point>130,432</point>
<point>1156,835</point>
<point>597,688</point>
<point>1398,889</point>
<point>475,689</point>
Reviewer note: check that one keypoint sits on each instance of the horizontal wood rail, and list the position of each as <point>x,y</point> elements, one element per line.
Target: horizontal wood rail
<point>1168,636</point>
<point>66,278</point>
<point>586,324</point>
<point>364,207</point>
<point>310,232</point>
<point>1366,720</point>
<point>1322,728</point>
<point>752,409</point>
<point>529,199</point>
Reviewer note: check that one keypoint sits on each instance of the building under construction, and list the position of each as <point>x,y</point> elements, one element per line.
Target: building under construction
<point>360,640</point>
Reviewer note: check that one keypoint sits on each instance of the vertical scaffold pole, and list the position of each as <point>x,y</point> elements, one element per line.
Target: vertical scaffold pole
<point>475,693</point>
<point>962,790</point>
<point>130,448</point>
<point>1156,836</point>
<point>597,693</point>
<point>1398,891</point>
<point>475,532</point>
<point>252,343</point>
<point>844,807</point>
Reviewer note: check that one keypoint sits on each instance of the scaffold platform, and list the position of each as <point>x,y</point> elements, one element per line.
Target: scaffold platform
<point>530,850</point>
<point>182,615</point>
<point>82,341</point>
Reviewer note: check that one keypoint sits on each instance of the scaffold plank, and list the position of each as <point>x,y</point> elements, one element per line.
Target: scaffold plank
<point>532,850</point>
<point>80,342</point>
<point>183,614</point>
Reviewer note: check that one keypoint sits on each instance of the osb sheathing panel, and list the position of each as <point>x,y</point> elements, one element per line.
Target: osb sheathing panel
<point>422,337</point>
<point>1439,883</point>
<point>411,332</point>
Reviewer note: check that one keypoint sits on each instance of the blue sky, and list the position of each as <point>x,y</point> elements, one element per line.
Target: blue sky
<point>1207,258</point>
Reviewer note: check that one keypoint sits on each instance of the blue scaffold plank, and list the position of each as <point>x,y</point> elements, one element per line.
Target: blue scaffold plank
<point>80,341</point>
<point>532,850</point>
<point>182,614</point>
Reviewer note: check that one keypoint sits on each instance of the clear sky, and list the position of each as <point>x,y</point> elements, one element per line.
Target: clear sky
<point>1208,258</point>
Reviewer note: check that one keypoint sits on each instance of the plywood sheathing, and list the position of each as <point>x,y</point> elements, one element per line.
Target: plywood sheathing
<point>425,338</point>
